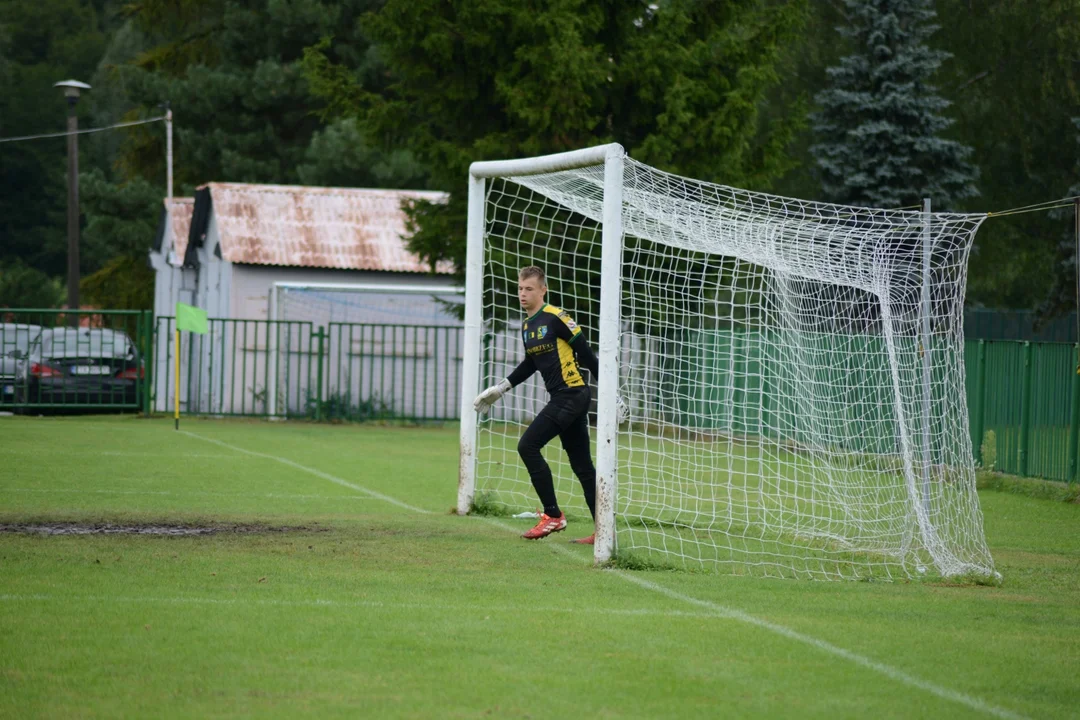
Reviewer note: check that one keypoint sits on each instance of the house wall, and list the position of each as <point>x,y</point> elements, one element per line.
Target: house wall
<point>252,284</point>
<point>172,284</point>
<point>215,276</point>
<point>211,382</point>
<point>244,368</point>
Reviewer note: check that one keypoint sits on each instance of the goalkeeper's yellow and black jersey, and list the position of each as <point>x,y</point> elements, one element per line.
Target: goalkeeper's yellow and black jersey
<point>551,339</point>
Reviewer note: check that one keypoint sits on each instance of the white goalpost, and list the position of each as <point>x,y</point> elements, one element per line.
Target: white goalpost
<point>794,370</point>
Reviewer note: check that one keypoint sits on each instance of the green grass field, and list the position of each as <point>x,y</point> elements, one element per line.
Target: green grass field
<point>340,585</point>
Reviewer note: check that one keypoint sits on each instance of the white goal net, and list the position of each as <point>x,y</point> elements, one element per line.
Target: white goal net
<point>387,350</point>
<point>794,370</point>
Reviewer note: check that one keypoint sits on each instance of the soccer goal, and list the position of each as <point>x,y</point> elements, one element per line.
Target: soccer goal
<point>388,347</point>
<point>794,370</point>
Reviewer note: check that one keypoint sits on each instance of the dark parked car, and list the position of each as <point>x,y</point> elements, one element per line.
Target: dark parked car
<point>80,366</point>
<point>15,341</point>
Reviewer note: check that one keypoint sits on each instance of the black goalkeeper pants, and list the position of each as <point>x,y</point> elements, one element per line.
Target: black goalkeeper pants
<point>565,415</point>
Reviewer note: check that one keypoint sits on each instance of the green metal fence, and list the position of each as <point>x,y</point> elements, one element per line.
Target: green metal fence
<point>257,368</point>
<point>52,360</point>
<point>293,369</point>
<point>400,371</point>
<point>1023,398</point>
<point>1024,402</point>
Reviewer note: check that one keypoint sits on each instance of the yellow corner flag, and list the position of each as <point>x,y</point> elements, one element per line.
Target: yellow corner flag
<point>192,319</point>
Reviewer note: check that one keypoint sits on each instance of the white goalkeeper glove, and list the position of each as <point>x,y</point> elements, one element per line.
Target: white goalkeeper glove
<point>489,397</point>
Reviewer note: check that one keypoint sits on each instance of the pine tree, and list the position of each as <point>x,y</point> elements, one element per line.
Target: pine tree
<point>880,122</point>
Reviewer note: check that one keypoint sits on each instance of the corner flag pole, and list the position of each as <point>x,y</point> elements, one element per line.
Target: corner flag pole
<point>176,386</point>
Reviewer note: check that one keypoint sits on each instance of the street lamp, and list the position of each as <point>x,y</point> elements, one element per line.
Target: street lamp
<point>72,89</point>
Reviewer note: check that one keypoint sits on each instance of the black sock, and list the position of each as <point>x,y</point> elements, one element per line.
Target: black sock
<point>552,511</point>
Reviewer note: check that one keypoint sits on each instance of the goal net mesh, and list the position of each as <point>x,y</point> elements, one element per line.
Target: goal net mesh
<point>389,351</point>
<point>794,372</point>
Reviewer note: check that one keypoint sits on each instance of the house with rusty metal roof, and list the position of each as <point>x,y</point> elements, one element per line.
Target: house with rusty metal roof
<point>241,239</point>
<point>299,257</point>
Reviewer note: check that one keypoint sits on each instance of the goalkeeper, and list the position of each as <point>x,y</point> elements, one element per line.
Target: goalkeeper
<point>551,341</point>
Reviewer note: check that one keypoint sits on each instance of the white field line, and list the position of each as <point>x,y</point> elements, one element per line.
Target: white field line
<point>312,471</point>
<point>721,611</point>
<point>110,453</point>
<point>170,493</point>
<point>886,670</point>
<point>481,610</point>
<point>717,610</point>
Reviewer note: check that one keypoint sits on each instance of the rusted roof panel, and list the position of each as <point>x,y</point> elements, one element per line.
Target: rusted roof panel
<point>345,228</point>
<point>179,210</point>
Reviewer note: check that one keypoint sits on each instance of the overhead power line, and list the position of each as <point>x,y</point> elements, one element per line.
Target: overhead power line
<point>83,132</point>
<point>1037,207</point>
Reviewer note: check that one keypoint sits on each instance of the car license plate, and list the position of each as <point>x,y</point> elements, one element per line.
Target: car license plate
<point>89,370</point>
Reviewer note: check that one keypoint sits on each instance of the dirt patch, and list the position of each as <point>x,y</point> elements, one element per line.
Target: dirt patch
<point>161,529</point>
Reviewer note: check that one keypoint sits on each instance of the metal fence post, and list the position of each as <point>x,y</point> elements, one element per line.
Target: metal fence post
<point>980,398</point>
<point>1074,421</point>
<point>146,333</point>
<point>320,335</point>
<point>1025,411</point>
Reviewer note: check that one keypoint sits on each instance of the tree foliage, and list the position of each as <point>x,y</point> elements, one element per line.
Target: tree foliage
<point>126,282</point>
<point>1064,293</point>
<point>881,120</point>
<point>121,218</point>
<point>121,222</point>
<point>1014,80</point>
<point>22,286</point>
<point>41,43</point>
<point>243,108</point>
<point>397,93</point>
<point>243,113</point>
<point>679,83</point>
<point>340,155</point>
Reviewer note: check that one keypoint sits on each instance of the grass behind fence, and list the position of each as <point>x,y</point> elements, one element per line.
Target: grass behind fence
<point>349,590</point>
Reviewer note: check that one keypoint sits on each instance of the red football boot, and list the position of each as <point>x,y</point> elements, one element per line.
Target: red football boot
<point>546,526</point>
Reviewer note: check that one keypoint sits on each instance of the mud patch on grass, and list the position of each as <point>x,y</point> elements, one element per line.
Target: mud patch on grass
<point>158,529</point>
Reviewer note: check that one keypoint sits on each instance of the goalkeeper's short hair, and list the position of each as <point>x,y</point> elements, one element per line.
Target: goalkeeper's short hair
<point>532,271</point>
